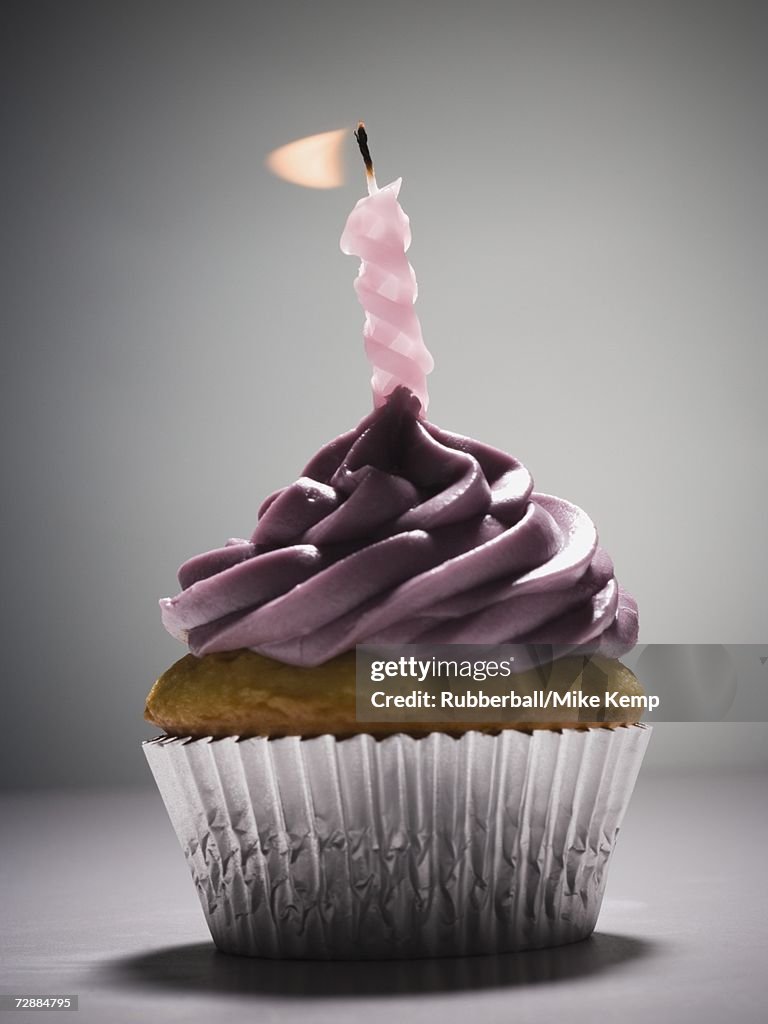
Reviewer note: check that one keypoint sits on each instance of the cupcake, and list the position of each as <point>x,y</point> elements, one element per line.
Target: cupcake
<point>312,834</point>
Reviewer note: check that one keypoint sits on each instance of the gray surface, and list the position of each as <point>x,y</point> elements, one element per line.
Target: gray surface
<point>97,902</point>
<point>586,184</point>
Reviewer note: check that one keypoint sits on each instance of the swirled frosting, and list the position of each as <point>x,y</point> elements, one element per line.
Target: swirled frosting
<point>400,532</point>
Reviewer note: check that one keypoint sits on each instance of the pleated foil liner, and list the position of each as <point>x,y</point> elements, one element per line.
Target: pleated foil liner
<point>401,847</point>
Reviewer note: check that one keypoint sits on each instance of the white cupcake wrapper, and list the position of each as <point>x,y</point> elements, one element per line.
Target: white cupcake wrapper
<point>401,847</point>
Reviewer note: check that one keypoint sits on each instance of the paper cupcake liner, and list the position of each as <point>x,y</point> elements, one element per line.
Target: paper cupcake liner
<point>401,847</point>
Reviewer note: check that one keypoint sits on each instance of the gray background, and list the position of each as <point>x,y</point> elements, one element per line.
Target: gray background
<point>586,183</point>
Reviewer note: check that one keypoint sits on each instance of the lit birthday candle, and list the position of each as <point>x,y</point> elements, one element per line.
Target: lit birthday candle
<point>378,231</point>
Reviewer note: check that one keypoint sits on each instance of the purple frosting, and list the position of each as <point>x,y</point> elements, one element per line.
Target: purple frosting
<point>400,532</point>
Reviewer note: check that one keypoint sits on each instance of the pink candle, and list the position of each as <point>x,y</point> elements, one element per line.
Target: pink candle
<point>378,231</point>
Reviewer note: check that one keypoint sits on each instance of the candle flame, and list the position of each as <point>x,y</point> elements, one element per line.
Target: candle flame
<point>314,162</point>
